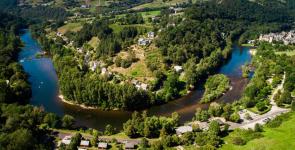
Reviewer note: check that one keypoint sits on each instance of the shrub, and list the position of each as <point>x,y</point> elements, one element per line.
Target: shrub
<point>258,128</point>
<point>238,141</point>
<point>261,106</point>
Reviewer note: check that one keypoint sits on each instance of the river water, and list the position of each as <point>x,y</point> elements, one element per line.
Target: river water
<point>45,90</point>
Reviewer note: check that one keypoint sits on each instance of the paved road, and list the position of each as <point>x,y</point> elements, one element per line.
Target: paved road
<point>274,111</point>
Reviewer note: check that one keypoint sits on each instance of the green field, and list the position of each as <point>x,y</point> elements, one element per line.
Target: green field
<point>281,138</point>
<point>70,27</point>
<point>117,28</point>
<point>158,4</point>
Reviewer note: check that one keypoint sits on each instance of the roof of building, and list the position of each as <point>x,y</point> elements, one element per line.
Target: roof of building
<point>84,143</point>
<point>184,129</point>
<point>129,145</point>
<point>102,145</point>
<point>66,141</point>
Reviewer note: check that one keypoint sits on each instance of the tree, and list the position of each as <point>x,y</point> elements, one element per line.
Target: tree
<point>144,143</point>
<point>293,105</point>
<point>235,117</point>
<point>258,128</point>
<point>75,142</point>
<point>163,132</point>
<point>261,106</point>
<point>68,121</point>
<point>175,117</point>
<point>214,128</point>
<point>51,120</point>
<point>109,130</point>
<point>202,115</point>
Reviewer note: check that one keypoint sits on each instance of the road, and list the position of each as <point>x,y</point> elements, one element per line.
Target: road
<point>274,111</point>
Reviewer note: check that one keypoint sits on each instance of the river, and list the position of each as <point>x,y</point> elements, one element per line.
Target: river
<point>45,89</point>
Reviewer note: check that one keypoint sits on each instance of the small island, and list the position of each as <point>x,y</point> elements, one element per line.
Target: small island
<point>215,87</point>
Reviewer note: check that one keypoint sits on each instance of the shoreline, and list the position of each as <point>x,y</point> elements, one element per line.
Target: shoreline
<point>62,99</point>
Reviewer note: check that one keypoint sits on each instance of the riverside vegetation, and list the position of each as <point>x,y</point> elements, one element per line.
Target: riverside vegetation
<point>200,42</point>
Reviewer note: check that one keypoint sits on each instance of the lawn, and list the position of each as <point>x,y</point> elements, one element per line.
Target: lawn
<point>159,4</point>
<point>117,28</point>
<point>94,42</point>
<point>70,27</point>
<point>281,138</point>
<point>289,53</point>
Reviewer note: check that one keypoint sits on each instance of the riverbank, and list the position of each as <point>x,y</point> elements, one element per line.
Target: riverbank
<point>61,97</point>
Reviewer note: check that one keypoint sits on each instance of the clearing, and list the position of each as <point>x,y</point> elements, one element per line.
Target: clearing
<point>74,27</point>
<point>137,70</point>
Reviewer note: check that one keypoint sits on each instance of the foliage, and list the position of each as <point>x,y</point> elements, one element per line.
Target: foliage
<point>144,126</point>
<point>215,86</point>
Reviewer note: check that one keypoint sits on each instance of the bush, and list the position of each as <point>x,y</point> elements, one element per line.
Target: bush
<point>238,141</point>
<point>258,128</point>
<point>261,106</point>
<point>277,121</point>
<point>293,105</point>
<point>235,117</point>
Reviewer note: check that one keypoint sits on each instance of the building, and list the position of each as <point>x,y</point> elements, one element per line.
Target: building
<point>183,129</point>
<point>102,145</point>
<point>66,140</point>
<point>151,35</point>
<point>285,37</point>
<point>129,145</point>
<point>178,69</point>
<point>84,143</point>
<point>143,42</point>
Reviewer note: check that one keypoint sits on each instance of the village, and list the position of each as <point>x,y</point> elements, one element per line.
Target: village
<point>285,37</point>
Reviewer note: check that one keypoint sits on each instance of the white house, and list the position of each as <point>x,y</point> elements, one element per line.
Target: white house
<point>151,35</point>
<point>102,145</point>
<point>143,42</point>
<point>84,143</point>
<point>183,129</point>
<point>66,140</point>
<point>178,69</point>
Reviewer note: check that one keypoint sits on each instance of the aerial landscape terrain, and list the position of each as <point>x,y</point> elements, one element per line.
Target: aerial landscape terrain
<point>147,74</point>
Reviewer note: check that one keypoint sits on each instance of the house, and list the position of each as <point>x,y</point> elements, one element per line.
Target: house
<point>85,6</point>
<point>151,35</point>
<point>143,86</point>
<point>251,41</point>
<point>178,69</point>
<point>104,70</point>
<point>183,129</point>
<point>129,145</point>
<point>66,140</point>
<point>84,143</point>
<point>143,42</point>
<point>102,145</point>
<point>80,50</point>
